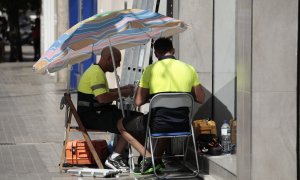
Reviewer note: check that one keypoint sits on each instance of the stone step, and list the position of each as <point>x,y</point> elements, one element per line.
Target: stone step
<point>222,167</point>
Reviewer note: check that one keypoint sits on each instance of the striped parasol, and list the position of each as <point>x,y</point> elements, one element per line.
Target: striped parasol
<point>122,29</point>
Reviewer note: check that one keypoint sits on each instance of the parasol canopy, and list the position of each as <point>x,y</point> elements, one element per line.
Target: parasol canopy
<point>121,29</point>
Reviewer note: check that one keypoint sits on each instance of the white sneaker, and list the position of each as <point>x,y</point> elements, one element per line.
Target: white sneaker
<point>116,163</point>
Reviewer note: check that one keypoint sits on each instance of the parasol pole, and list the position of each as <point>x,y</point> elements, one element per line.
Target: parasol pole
<point>68,78</point>
<point>68,92</point>
<point>67,115</point>
<point>117,77</point>
<point>120,97</point>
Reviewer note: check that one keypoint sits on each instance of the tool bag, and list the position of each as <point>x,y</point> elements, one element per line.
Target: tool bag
<point>77,152</point>
<point>204,126</point>
<point>208,144</point>
<point>207,140</point>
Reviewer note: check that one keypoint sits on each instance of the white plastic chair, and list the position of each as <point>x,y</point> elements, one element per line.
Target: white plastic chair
<point>171,100</point>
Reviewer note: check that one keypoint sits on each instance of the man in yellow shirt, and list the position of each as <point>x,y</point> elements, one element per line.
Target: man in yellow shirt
<point>165,75</point>
<point>94,103</point>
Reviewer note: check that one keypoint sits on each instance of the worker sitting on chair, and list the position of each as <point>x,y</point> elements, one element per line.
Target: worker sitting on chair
<point>165,75</point>
<point>94,103</point>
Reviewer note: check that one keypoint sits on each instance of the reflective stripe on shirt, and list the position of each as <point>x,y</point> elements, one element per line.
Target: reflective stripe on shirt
<point>98,86</point>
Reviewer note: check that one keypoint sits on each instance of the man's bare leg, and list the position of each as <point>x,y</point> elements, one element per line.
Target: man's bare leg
<point>121,145</point>
<point>115,160</point>
<point>131,140</point>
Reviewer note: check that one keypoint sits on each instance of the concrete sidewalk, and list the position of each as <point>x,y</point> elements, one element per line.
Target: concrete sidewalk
<point>32,125</point>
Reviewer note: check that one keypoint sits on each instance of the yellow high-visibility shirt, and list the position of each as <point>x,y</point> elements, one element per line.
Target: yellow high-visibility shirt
<point>169,75</point>
<point>93,81</point>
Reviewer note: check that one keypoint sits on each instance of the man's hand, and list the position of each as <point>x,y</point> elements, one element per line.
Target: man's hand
<point>129,86</point>
<point>113,95</point>
<point>127,90</point>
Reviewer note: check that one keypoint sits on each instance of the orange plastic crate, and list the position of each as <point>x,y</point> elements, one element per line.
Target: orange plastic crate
<point>78,152</point>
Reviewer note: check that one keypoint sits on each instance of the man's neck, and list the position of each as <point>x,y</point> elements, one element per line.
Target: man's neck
<point>166,55</point>
<point>102,67</point>
<point>171,56</point>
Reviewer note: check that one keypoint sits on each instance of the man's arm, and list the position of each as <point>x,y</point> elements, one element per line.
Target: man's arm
<point>198,93</point>
<point>129,86</point>
<point>113,95</point>
<point>142,96</point>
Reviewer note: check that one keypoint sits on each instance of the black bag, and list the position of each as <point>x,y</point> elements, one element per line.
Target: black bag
<point>208,144</point>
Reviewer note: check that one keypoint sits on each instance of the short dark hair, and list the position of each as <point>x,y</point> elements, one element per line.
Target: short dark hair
<point>163,45</point>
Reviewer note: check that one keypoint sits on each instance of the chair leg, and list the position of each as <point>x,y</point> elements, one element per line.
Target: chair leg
<point>186,145</point>
<point>67,133</point>
<point>63,153</point>
<point>196,154</point>
<point>84,132</point>
<point>152,155</point>
<point>92,149</point>
<point>185,148</point>
<point>145,149</point>
<point>130,156</point>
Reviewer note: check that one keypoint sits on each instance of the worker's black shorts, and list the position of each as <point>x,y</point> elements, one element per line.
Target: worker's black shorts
<point>106,119</point>
<point>135,124</point>
<point>169,120</point>
<point>163,120</point>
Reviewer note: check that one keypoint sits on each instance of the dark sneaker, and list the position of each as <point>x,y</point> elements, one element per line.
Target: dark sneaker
<point>137,170</point>
<point>161,163</point>
<point>116,163</point>
<point>148,168</point>
<point>140,159</point>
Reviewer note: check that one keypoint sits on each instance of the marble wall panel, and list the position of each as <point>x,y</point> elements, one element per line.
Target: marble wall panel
<point>224,90</point>
<point>275,45</point>
<point>244,105</point>
<point>196,42</point>
<point>274,135</point>
<point>244,130</point>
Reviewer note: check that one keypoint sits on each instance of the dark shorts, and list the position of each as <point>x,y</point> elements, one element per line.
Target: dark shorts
<point>169,120</point>
<point>163,120</point>
<point>106,120</point>
<point>135,124</point>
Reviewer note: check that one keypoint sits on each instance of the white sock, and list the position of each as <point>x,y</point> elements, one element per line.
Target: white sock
<point>114,155</point>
